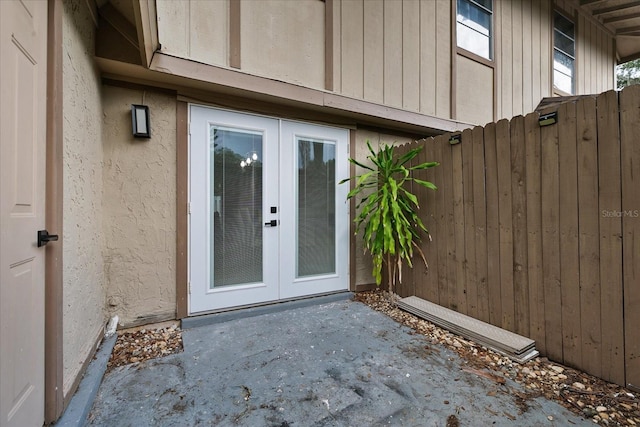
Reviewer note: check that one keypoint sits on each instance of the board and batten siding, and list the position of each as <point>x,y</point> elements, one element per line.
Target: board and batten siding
<point>398,53</point>
<point>523,49</point>
<point>282,40</point>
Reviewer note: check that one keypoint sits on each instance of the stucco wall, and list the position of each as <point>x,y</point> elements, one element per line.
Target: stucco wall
<point>139,207</point>
<point>83,272</point>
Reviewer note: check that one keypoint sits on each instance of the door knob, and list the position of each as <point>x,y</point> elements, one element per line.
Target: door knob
<point>272,223</point>
<point>44,237</point>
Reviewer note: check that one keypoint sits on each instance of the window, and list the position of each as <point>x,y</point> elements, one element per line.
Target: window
<point>473,28</point>
<point>564,45</point>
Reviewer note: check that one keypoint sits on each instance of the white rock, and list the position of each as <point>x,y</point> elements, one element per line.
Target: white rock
<point>601,409</point>
<point>578,385</point>
<point>558,369</point>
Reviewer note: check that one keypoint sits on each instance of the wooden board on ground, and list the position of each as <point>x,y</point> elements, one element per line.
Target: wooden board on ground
<point>508,343</point>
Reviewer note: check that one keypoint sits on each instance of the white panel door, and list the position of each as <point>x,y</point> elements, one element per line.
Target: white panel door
<point>233,169</point>
<point>315,218</point>
<point>268,220</point>
<point>23,41</point>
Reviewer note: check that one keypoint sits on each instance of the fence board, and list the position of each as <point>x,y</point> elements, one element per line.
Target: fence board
<point>460,303</point>
<point>450,226</point>
<point>432,243</point>
<point>589,245</point>
<point>503,149</point>
<point>409,274</point>
<point>630,152</point>
<point>493,225</point>
<point>426,279</point>
<point>404,284</point>
<point>433,209</point>
<point>569,257</point>
<point>471,284</point>
<point>610,238</point>
<point>480,217</point>
<point>550,241</point>
<point>519,221</point>
<point>442,219</point>
<point>534,235</point>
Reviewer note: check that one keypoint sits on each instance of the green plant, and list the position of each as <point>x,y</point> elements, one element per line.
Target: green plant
<point>389,214</point>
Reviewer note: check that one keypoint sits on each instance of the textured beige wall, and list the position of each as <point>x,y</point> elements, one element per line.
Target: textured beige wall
<point>139,207</point>
<point>363,260</point>
<point>83,272</point>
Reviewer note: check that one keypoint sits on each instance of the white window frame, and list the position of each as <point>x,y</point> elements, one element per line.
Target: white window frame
<point>556,48</point>
<point>460,23</point>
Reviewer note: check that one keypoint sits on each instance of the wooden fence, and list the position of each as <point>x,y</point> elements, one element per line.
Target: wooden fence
<point>536,229</point>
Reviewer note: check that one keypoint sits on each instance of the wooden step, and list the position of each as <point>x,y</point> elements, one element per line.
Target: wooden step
<point>517,347</point>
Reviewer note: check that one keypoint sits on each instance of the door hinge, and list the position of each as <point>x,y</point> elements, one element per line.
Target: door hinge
<point>188,208</point>
<point>189,287</point>
<point>189,128</point>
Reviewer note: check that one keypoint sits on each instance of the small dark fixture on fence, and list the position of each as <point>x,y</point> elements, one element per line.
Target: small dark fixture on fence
<point>140,121</point>
<point>548,119</point>
<point>455,139</point>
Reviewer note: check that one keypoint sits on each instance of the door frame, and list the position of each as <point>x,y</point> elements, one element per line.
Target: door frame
<point>53,360</point>
<point>182,186</point>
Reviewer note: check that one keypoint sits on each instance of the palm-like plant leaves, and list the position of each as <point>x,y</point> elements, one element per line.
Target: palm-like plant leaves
<point>389,213</point>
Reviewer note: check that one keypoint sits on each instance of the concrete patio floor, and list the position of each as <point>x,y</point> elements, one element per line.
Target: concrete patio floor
<point>334,363</point>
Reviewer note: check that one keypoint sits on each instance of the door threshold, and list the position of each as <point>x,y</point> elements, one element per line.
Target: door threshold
<point>233,313</point>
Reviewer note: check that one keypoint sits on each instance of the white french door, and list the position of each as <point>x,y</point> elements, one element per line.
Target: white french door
<point>268,220</point>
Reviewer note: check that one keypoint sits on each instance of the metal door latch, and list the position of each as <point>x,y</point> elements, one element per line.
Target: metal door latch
<point>44,237</point>
<point>272,223</point>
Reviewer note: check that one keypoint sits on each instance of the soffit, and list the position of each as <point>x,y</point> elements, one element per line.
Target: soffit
<point>622,18</point>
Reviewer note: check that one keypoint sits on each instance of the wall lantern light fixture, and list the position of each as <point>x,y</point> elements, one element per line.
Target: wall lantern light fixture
<point>455,139</point>
<point>140,121</point>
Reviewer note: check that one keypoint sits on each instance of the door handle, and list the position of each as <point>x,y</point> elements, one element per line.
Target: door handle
<point>272,223</point>
<point>44,237</point>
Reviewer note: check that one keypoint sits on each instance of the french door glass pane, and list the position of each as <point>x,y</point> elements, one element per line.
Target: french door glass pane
<point>235,206</point>
<point>316,208</point>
